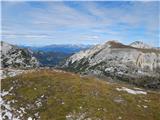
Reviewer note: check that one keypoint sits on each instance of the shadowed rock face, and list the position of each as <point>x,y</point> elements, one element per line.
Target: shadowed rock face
<point>15,57</point>
<point>115,59</point>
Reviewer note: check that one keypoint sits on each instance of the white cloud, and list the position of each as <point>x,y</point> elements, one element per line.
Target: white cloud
<point>90,22</point>
<point>90,37</point>
<point>60,15</point>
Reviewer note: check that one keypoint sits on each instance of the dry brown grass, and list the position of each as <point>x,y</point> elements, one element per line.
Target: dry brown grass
<point>66,93</point>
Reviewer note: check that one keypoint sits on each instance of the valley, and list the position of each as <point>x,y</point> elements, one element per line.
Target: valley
<point>54,55</point>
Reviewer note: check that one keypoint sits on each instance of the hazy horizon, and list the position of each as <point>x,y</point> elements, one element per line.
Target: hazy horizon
<point>71,44</point>
<point>88,23</point>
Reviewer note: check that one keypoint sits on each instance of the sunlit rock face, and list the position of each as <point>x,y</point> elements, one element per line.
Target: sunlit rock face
<point>139,44</point>
<point>15,57</point>
<point>116,59</point>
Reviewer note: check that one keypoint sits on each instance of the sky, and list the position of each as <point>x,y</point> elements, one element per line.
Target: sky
<point>44,23</point>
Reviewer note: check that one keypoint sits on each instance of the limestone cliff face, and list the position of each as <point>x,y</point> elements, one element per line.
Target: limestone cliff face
<point>116,59</point>
<point>148,61</point>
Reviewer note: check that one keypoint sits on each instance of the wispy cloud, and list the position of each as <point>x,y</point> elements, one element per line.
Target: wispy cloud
<point>74,21</point>
<point>90,37</point>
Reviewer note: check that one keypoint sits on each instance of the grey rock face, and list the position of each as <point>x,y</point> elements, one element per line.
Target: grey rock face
<point>14,57</point>
<point>118,61</point>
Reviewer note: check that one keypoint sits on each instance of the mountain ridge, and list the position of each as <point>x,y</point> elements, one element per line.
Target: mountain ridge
<point>14,57</point>
<point>65,48</point>
<point>118,60</point>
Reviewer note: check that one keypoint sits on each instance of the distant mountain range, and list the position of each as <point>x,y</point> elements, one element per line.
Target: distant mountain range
<point>137,63</point>
<point>66,48</point>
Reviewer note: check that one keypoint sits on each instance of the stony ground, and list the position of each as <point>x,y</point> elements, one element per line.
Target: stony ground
<point>59,95</point>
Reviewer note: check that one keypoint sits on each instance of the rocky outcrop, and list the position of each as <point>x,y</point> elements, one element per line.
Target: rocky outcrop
<point>119,61</point>
<point>139,44</point>
<point>15,57</point>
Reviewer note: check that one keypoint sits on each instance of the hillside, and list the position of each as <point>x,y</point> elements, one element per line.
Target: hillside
<point>14,57</point>
<point>50,59</point>
<point>136,65</point>
<point>59,95</point>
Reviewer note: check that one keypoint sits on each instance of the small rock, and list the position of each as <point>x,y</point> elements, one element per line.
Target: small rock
<point>119,118</point>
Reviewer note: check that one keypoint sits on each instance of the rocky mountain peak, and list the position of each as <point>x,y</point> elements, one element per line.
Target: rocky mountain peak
<point>5,47</point>
<point>112,42</point>
<point>116,44</point>
<point>140,44</point>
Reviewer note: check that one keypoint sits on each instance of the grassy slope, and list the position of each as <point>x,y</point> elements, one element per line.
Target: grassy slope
<point>66,93</point>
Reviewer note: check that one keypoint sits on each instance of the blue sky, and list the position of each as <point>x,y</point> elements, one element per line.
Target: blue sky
<point>44,23</point>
